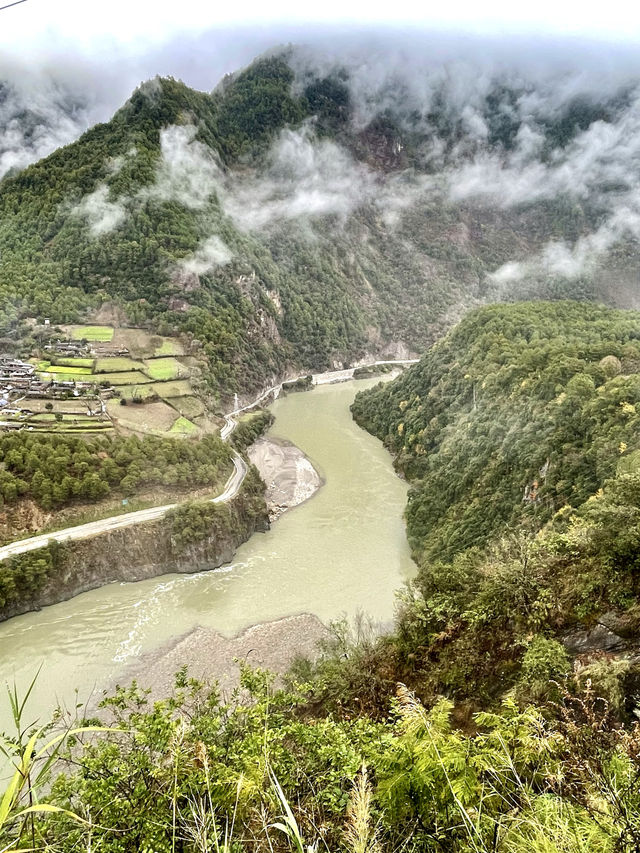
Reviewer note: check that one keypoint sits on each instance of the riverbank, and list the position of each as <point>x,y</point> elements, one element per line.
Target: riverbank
<point>189,538</point>
<point>338,555</point>
<point>212,657</point>
<point>288,474</point>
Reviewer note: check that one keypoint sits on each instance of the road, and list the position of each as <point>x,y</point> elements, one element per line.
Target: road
<point>93,528</point>
<point>84,531</point>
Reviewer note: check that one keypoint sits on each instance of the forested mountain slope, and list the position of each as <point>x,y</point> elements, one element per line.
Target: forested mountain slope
<point>519,434</point>
<point>293,217</point>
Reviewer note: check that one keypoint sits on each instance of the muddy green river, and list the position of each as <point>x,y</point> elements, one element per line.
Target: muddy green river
<point>341,552</point>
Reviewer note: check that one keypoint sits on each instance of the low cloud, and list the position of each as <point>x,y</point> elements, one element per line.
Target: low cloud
<point>102,215</point>
<point>210,254</point>
<point>306,178</point>
<point>187,171</point>
<point>557,258</point>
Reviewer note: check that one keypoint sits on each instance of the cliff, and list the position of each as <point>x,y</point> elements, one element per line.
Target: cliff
<point>193,538</point>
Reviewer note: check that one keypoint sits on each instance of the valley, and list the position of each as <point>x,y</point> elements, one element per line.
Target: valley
<point>300,565</point>
<point>319,453</point>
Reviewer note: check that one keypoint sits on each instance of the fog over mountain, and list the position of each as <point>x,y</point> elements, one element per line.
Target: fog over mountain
<point>341,192</point>
<point>478,110</point>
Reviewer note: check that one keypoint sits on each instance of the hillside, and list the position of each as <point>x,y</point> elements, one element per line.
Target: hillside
<point>519,434</point>
<point>291,219</point>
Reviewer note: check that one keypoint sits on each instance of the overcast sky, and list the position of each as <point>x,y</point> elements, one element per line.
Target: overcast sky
<point>136,26</point>
<point>91,55</point>
<point>143,22</point>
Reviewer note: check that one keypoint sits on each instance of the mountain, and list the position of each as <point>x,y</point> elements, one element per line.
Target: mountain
<point>518,432</point>
<point>304,215</point>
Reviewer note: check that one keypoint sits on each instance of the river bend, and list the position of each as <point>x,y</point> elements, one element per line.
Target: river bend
<point>341,552</point>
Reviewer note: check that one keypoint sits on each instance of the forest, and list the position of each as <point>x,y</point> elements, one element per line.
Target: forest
<point>125,214</point>
<point>54,471</point>
<point>478,724</point>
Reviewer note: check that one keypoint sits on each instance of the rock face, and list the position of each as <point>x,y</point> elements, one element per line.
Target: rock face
<point>146,551</point>
<point>598,639</point>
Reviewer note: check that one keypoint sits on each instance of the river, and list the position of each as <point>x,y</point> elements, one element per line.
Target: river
<point>341,552</point>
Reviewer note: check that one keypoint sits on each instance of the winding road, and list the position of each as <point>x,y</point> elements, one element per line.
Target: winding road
<point>232,486</point>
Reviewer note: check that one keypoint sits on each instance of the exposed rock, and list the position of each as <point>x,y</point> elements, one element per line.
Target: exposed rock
<point>625,625</point>
<point>144,551</point>
<point>599,638</point>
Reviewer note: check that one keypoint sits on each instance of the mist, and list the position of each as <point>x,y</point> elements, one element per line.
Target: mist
<point>411,77</point>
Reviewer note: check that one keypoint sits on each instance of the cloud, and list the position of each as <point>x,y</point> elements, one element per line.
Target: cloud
<point>37,115</point>
<point>557,258</point>
<point>101,214</point>
<point>187,171</point>
<point>306,178</point>
<point>210,254</point>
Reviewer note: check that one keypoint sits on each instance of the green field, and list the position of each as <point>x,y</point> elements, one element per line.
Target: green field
<point>59,368</point>
<point>164,368</point>
<point>67,376</point>
<point>177,388</point>
<point>70,362</point>
<point>130,377</point>
<point>92,333</point>
<point>184,426</point>
<point>169,346</point>
<point>190,407</point>
<point>117,365</point>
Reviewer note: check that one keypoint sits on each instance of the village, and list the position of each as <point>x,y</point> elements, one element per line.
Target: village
<point>89,379</point>
<point>28,400</point>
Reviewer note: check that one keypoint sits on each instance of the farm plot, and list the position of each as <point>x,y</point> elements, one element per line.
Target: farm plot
<point>143,344</point>
<point>78,405</point>
<point>155,418</point>
<point>67,370</point>
<point>183,426</point>
<point>70,362</point>
<point>117,365</point>
<point>101,334</point>
<point>169,346</point>
<point>163,369</point>
<point>130,377</point>
<point>53,375</point>
<point>178,388</point>
<point>190,407</point>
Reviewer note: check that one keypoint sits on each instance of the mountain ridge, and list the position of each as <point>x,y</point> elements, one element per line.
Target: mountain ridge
<point>283,222</point>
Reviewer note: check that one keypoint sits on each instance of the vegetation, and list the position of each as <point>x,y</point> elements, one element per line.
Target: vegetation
<point>56,470</point>
<point>250,427</point>
<point>282,299</point>
<point>303,383</point>
<point>520,411</point>
<point>519,434</point>
<point>23,576</point>
<point>197,520</point>
<point>193,774</point>
<point>92,333</point>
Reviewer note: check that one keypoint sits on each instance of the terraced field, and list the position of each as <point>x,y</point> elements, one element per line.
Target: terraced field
<point>184,426</point>
<point>101,334</point>
<point>117,365</point>
<point>162,369</point>
<point>153,391</point>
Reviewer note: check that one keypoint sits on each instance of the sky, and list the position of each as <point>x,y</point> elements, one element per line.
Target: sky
<point>127,27</point>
